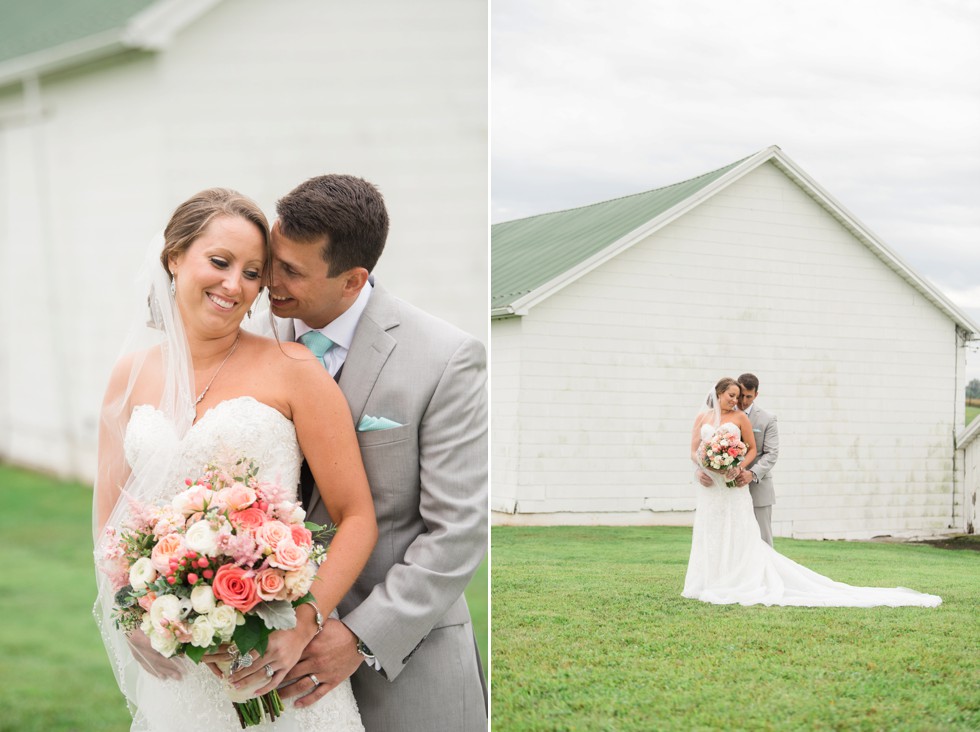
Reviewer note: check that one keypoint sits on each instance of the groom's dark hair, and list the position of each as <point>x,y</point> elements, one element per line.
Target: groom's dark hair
<point>347,211</point>
<point>749,381</point>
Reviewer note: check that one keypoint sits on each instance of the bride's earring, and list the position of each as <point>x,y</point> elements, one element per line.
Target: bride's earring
<point>173,284</point>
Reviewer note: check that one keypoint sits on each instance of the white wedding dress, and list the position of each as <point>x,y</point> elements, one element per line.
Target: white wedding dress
<point>730,563</point>
<point>240,427</point>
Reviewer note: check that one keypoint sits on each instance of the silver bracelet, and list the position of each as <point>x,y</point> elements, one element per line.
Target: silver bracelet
<point>318,617</point>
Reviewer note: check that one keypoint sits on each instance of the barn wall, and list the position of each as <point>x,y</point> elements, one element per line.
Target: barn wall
<point>256,96</point>
<point>859,368</point>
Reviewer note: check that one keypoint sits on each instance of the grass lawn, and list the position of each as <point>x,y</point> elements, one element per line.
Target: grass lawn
<point>971,412</point>
<point>590,633</point>
<point>54,673</point>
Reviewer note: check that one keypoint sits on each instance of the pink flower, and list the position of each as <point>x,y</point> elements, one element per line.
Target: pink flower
<point>147,600</point>
<point>270,584</point>
<point>236,587</point>
<point>249,518</point>
<point>302,536</point>
<point>288,556</point>
<point>273,532</point>
<point>170,547</point>
<point>237,497</point>
<point>195,499</point>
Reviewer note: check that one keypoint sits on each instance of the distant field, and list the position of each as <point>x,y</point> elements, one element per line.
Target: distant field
<point>971,412</point>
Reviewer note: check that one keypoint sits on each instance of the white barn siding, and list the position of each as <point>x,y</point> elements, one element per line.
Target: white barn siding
<point>859,368</point>
<point>256,96</point>
<point>505,449</point>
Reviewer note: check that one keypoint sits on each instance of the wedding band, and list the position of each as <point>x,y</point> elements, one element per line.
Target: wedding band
<point>314,679</point>
<point>268,671</point>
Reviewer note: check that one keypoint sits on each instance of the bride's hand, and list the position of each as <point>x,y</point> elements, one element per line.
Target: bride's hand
<point>150,659</point>
<point>733,473</point>
<point>283,652</point>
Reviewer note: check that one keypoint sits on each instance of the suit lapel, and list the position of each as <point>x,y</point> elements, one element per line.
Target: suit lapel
<point>369,351</point>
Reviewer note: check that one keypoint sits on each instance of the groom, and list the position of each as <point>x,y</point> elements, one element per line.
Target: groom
<point>756,474</point>
<point>416,387</point>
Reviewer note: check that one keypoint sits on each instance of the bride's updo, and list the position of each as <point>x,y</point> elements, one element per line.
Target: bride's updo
<point>720,388</point>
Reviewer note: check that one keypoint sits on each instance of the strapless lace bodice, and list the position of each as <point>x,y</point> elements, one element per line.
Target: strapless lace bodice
<point>233,429</point>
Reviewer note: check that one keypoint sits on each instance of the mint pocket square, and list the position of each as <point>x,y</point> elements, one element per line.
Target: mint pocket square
<point>370,424</point>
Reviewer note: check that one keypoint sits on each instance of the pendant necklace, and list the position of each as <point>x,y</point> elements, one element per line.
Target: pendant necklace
<point>233,347</point>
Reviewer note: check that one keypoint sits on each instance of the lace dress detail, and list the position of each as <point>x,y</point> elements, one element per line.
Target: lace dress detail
<point>730,563</point>
<point>241,427</point>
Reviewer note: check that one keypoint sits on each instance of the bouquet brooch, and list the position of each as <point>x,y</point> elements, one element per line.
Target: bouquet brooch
<point>228,560</point>
<point>721,452</point>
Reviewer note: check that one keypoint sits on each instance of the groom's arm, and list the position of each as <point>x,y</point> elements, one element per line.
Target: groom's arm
<point>417,592</point>
<point>767,460</point>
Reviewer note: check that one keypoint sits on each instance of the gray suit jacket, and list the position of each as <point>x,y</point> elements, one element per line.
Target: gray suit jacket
<point>767,447</point>
<point>428,478</point>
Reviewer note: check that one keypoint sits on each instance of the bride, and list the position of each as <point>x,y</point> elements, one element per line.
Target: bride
<point>193,387</point>
<point>730,563</point>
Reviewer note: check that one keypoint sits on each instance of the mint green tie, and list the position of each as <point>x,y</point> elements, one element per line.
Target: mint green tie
<point>317,342</point>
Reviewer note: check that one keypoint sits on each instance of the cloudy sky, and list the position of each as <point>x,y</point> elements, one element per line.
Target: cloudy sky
<point>878,101</point>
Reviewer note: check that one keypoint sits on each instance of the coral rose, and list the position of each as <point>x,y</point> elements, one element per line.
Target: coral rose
<point>249,518</point>
<point>302,536</point>
<point>169,547</point>
<point>235,587</point>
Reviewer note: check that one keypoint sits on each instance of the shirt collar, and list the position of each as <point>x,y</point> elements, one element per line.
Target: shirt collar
<point>341,329</point>
<point>749,410</point>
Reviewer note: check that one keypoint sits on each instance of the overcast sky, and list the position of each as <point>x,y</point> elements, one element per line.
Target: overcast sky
<point>878,101</point>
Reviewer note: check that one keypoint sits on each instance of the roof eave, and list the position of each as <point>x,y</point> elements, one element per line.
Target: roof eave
<point>876,245</point>
<point>546,290</point>
<point>149,30</point>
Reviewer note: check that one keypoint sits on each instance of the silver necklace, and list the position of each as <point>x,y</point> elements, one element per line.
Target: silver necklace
<point>233,347</point>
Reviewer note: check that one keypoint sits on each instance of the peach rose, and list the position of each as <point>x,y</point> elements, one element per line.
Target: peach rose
<point>272,532</point>
<point>299,581</point>
<point>302,536</point>
<point>249,518</point>
<point>147,600</point>
<point>235,587</point>
<point>195,499</point>
<point>169,547</point>
<point>288,556</point>
<point>237,497</point>
<point>270,584</point>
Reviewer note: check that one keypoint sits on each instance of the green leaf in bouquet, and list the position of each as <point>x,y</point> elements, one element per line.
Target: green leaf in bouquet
<point>251,634</point>
<point>195,653</point>
<point>278,614</point>
<point>308,597</point>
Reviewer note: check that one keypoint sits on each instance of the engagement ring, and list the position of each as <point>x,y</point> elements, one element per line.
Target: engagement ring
<point>268,671</point>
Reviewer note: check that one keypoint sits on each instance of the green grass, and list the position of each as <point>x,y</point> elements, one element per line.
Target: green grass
<point>971,412</point>
<point>54,673</point>
<point>590,633</point>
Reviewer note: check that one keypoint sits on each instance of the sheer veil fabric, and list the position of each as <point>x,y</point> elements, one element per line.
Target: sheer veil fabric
<point>731,564</point>
<point>155,369</point>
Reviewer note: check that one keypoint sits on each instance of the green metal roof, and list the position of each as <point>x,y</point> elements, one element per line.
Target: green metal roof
<point>527,253</point>
<point>29,26</point>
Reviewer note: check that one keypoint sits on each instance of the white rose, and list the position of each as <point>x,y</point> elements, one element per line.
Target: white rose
<point>201,538</point>
<point>165,607</point>
<point>202,599</point>
<point>142,573</point>
<point>298,516</point>
<point>163,643</point>
<point>224,618</point>
<point>202,632</point>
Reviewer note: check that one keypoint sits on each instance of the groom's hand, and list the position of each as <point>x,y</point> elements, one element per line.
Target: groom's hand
<point>331,657</point>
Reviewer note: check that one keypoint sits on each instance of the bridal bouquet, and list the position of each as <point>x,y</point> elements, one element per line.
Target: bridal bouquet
<point>227,560</point>
<point>721,452</point>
